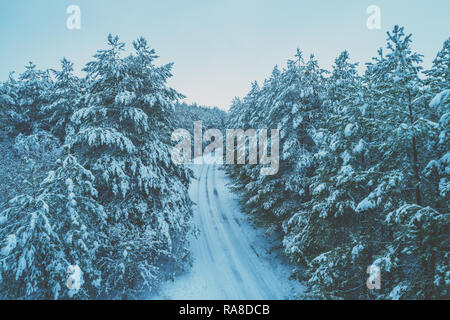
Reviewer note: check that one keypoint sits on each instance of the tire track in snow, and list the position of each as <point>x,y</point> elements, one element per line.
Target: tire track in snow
<point>231,267</point>
<point>202,227</point>
<point>250,256</point>
<point>229,247</point>
<point>230,257</point>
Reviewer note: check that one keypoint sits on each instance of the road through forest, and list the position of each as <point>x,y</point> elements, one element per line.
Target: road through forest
<point>231,255</point>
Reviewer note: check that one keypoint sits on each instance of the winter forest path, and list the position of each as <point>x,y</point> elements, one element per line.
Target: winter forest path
<point>231,256</point>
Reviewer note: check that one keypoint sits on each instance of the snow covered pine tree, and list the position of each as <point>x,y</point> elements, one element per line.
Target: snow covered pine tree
<point>115,207</point>
<point>363,175</point>
<point>123,137</point>
<point>63,98</point>
<point>54,224</point>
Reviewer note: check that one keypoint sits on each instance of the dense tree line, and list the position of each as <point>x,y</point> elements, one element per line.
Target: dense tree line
<point>364,171</point>
<point>96,187</point>
<point>187,114</point>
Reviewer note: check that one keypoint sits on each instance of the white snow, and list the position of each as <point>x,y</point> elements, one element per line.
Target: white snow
<point>360,147</point>
<point>346,157</point>
<point>365,205</point>
<point>349,130</point>
<point>11,243</point>
<point>398,291</point>
<point>231,259</point>
<point>439,97</point>
<point>320,188</point>
<point>3,219</point>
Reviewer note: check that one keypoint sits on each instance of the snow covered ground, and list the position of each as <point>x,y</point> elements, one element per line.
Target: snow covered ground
<point>231,255</point>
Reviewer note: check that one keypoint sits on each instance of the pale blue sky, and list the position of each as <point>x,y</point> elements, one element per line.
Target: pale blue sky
<point>218,47</point>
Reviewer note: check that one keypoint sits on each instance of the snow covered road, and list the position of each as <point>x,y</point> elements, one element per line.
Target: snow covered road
<point>231,256</point>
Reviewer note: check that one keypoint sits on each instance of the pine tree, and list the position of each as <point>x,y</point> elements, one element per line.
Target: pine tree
<point>439,74</point>
<point>10,117</point>
<point>63,97</point>
<point>31,86</point>
<point>438,93</point>
<point>30,245</point>
<point>402,139</point>
<point>52,225</point>
<point>353,149</point>
<point>123,137</point>
<point>79,221</point>
<point>289,101</point>
<point>334,186</point>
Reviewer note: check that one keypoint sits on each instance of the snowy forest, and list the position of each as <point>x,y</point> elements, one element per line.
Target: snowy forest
<point>364,180</point>
<point>364,171</point>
